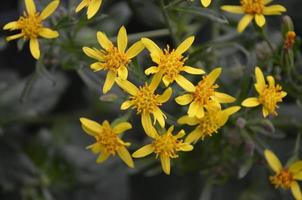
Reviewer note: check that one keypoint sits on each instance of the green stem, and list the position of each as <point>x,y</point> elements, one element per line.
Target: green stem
<point>167,20</point>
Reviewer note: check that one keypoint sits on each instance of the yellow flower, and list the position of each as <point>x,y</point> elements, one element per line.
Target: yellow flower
<point>165,147</point>
<point>31,26</point>
<point>254,9</point>
<point>171,63</point>
<point>285,177</point>
<point>111,58</point>
<point>205,3</point>
<point>212,121</point>
<point>204,95</point>
<point>107,140</point>
<point>146,102</point>
<point>269,94</point>
<point>92,7</point>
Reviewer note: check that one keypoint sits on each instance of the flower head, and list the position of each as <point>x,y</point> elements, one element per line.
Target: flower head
<point>269,94</point>
<point>253,9</point>
<point>92,7</point>
<point>212,121</point>
<point>111,58</point>
<point>290,39</point>
<point>107,140</point>
<point>31,26</point>
<point>204,95</point>
<point>285,177</point>
<point>165,147</point>
<point>205,3</point>
<point>170,63</point>
<point>146,102</point>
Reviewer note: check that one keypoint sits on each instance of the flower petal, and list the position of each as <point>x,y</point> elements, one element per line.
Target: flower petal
<point>200,112</point>
<point>96,66</point>
<point>123,72</point>
<point>126,104</point>
<point>165,164</point>
<point>102,157</point>
<point>244,22</point>
<point>151,70</point>
<point>30,7</point>
<point>34,48</point>
<point>93,7</point>
<point>250,102</point>
<point>192,70</point>
<point>185,45</point>
<point>156,79</point>
<point>298,176</point>
<point>135,49</point>
<point>81,5</point>
<point>273,161</point>
<point>265,112</point>
<point>184,99</point>
<point>127,86</point>
<point>110,79</point>
<point>159,116</point>
<point>193,109</point>
<point>152,47</point>
<point>274,10</point>
<point>164,97</point>
<point>205,3</point>
<point>184,83</point>
<point>259,77</point>
<point>186,147</point>
<point>192,121</point>
<point>92,53</point>
<point>125,156</point>
<point>194,136</point>
<point>213,75</point>
<point>11,26</point>
<point>223,98</point>
<point>122,127</point>
<point>144,151</point>
<point>13,37</point>
<point>147,125</point>
<point>48,33</point>
<point>260,20</point>
<point>103,40</point>
<point>296,191</point>
<point>296,167</point>
<point>91,127</point>
<point>49,9</point>
<point>122,39</point>
<point>233,9</point>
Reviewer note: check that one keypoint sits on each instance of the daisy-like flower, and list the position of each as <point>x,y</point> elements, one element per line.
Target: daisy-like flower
<point>212,121</point>
<point>285,177</point>
<point>203,95</point>
<point>31,26</point>
<point>170,63</point>
<point>165,147</point>
<point>111,58</point>
<point>92,7</point>
<point>107,140</point>
<point>205,3</point>
<point>253,9</point>
<point>269,94</point>
<point>146,102</point>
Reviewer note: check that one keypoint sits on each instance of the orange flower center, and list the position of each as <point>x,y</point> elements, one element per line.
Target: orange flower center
<point>208,124</point>
<point>166,145</point>
<point>171,64</point>
<point>252,6</point>
<point>204,91</point>
<point>269,98</point>
<point>30,25</point>
<point>145,100</point>
<point>113,59</point>
<point>283,179</point>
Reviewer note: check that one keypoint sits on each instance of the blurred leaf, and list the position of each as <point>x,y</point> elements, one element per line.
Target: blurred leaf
<point>245,168</point>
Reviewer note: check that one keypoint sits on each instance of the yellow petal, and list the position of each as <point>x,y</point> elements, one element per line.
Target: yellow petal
<point>155,81</point>
<point>151,70</point>
<point>193,109</point>
<point>127,86</point>
<point>180,134</point>
<point>11,26</point>
<point>273,161</point>
<point>125,156</point>
<point>102,158</point>
<point>283,94</point>
<point>110,79</point>
<point>95,148</point>
<point>165,164</point>
<point>233,9</point>
<point>122,39</point>
<point>166,80</point>
<point>200,112</point>
<point>92,53</point>
<point>103,40</point>
<point>147,125</point>
<point>205,3</point>
<point>91,127</point>
<point>135,49</point>
<point>244,22</point>
<point>194,136</point>
<point>165,96</point>
<point>267,2</point>
<point>231,110</point>
<point>296,191</point>
<point>222,118</point>
<point>260,20</point>
<point>126,104</point>
<point>30,7</point>
<point>123,72</point>
<point>184,99</point>
<point>192,70</point>
<point>144,151</point>
<point>270,80</point>
<point>296,167</point>
<point>184,83</point>
<point>250,102</point>
<point>159,116</point>
<point>186,147</point>
<point>152,47</point>
<point>265,112</point>
<point>298,176</point>
<point>49,9</point>
<point>121,127</point>
<point>13,37</point>
<point>48,33</point>
<point>96,66</point>
<point>185,45</point>
<point>213,75</point>
<point>34,48</point>
<point>274,10</point>
<point>93,8</point>
<point>192,121</point>
<point>223,98</point>
<point>82,5</point>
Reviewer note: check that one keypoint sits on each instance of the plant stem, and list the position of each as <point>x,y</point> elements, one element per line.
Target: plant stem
<point>167,20</point>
